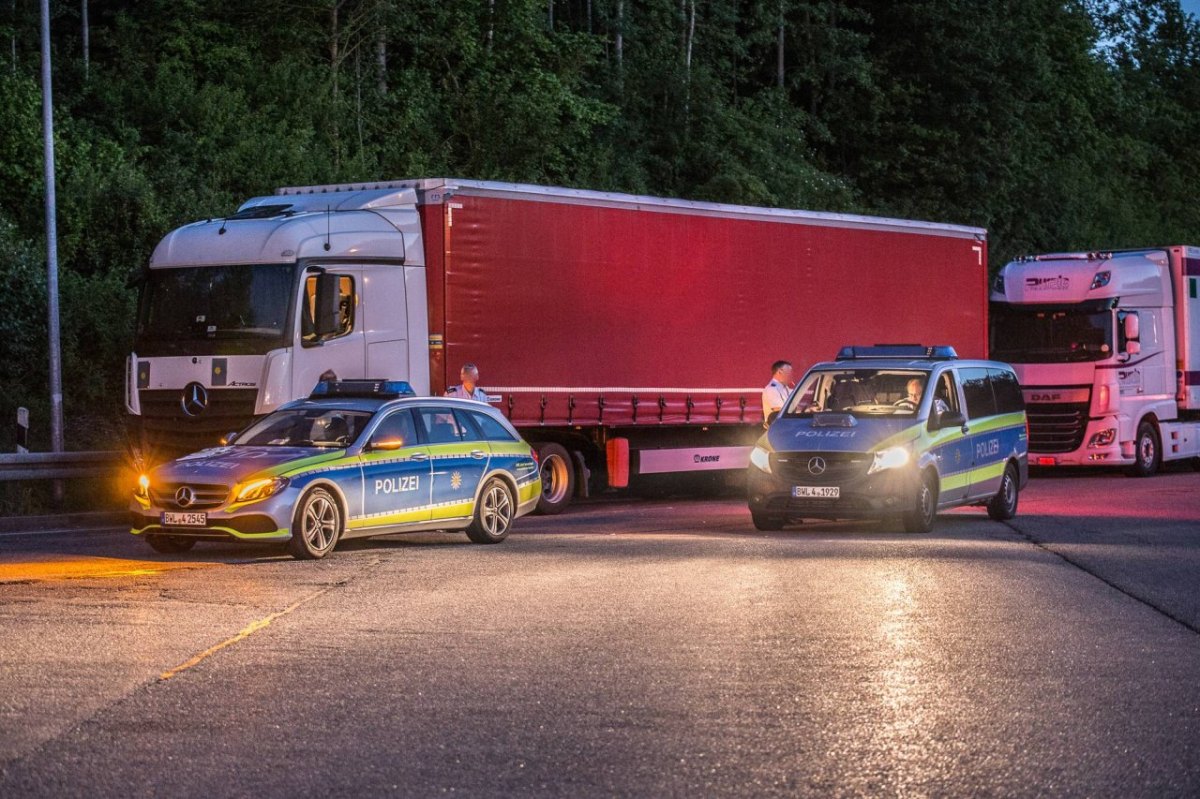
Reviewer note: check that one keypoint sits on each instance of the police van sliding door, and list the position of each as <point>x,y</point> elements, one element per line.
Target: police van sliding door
<point>986,431</point>
<point>397,472</point>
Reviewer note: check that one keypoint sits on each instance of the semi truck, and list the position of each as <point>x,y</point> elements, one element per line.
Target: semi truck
<point>1107,348</point>
<point>624,336</point>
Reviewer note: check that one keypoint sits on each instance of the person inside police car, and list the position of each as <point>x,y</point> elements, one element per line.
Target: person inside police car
<point>775,393</point>
<point>912,396</point>
<point>469,387</point>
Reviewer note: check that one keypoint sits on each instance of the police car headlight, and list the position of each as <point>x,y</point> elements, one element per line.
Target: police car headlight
<point>259,489</point>
<point>761,459</point>
<point>891,458</point>
<point>142,489</point>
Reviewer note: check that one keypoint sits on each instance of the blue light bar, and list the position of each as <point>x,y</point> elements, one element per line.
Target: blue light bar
<point>910,352</point>
<point>362,389</point>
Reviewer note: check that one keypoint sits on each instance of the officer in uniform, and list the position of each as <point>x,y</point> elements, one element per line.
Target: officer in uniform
<point>469,388</point>
<point>775,393</point>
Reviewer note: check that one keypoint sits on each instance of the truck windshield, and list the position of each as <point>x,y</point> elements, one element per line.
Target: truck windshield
<point>860,392</point>
<point>209,310</point>
<point>1050,334</point>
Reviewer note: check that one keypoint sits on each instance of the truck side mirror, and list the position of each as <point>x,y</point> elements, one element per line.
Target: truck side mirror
<point>1132,327</point>
<point>328,311</point>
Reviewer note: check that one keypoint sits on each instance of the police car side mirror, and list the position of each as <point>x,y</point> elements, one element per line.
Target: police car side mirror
<point>384,446</point>
<point>229,438</point>
<point>771,417</point>
<point>947,419</point>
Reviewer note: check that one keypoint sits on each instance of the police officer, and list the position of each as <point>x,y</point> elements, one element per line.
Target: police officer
<point>469,388</point>
<point>775,393</point>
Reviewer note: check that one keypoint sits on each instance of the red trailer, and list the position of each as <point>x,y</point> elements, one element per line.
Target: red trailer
<point>625,336</point>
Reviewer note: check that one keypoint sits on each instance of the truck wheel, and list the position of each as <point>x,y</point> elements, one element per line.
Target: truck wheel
<point>558,478</point>
<point>1147,454</point>
<point>170,544</point>
<point>764,522</point>
<point>494,513</point>
<point>920,518</point>
<point>1004,505</point>
<point>316,526</point>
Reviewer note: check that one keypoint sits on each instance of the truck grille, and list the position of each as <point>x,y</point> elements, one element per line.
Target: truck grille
<point>167,429</point>
<point>1056,427</point>
<point>205,496</point>
<point>840,467</point>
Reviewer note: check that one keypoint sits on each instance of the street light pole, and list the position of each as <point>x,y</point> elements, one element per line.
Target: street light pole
<point>56,398</point>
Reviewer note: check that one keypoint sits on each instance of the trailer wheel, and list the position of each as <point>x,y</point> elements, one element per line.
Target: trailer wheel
<point>169,544</point>
<point>558,478</point>
<point>1147,453</point>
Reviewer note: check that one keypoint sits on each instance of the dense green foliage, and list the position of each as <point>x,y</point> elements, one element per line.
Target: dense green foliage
<point>1053,123</point>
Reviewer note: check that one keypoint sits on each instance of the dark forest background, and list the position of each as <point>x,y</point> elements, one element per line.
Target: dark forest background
<point>1055,125</point>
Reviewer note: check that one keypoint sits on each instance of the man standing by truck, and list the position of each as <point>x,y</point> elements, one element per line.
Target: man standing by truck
<point>775,393</point>
<point>469,388</point>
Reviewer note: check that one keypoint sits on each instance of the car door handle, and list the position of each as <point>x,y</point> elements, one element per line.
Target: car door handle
<point>419,456</point>
<point>477,454</point>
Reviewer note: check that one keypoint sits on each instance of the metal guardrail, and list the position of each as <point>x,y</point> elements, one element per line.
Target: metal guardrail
<point>58,465</point>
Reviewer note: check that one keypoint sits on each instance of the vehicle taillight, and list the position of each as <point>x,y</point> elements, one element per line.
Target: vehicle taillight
<point>533,451</point>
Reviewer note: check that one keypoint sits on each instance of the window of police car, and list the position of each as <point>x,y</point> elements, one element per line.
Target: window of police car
<point>861,392</point>
<point>491,429</point>
<point>306,427</point>
<point>991,391</point>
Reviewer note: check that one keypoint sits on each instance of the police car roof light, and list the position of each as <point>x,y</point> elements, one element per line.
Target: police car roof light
<point>363,389</point>
<point>907,351</point>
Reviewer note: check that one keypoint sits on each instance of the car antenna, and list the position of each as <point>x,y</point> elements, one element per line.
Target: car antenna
<point>327,212</point>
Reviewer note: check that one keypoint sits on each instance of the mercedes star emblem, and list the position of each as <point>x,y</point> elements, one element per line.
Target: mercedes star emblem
<point>816,465</point>
<point>185,496</point>
<point>194,399</point>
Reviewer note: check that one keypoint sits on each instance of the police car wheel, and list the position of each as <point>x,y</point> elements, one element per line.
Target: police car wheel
<point>494,513</point>
<point>1004,505</point>
<point>170,544</point>
<point>764,522</point>
<point>920,518</point>
<point>558,478</point>
<point>316,526</point>
<point>1147,454</point>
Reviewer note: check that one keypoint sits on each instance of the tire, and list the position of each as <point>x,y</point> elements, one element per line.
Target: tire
<point>558,478</point>
<point>767,523</point>
<point>169,544</point>
<point>1004,505</point>
<point>920,518</point>
<point>316,526</point>
<point>1147,452</point>
<point>494,513</point>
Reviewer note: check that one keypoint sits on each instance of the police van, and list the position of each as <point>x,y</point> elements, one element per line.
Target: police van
<point>893,432</point>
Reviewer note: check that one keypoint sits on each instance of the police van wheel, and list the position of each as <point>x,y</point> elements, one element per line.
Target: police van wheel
<point>316,527</point>
<point>494,513</point>
<point>920,518</point>
<point>1147,454</point>
<point>170,544</point>
<point>558,478</point>
<point>764,522</point>
<point>1004,505</point>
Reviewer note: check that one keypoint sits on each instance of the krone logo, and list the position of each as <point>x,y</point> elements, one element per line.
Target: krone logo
<point>185,496</point>
<point>194,399</point>
<point>816,465</point>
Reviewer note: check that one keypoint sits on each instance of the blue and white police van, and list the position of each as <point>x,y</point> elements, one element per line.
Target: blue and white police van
<point>356,459</point>
<point>893,431</point>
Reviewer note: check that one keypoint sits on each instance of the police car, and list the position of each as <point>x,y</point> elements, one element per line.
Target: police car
<point>893,431</point>
<point>355,459</point>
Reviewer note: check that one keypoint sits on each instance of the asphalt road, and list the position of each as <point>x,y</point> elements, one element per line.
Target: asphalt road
<point>649,648</point>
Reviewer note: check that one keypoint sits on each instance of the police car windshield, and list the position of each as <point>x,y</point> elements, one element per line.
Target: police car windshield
<point>859,392</point>
<point>306,427</point>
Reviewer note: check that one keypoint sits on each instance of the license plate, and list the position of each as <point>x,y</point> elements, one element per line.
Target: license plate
<point>184,519</point>
<point>816,492</point>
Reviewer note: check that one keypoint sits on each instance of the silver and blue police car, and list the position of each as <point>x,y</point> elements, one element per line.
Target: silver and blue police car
<point>355,459</point>
<point>893,431</point>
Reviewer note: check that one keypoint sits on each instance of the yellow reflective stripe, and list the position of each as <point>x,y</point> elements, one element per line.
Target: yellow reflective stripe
<point>957,480</point>
<point>415,515</point>
<point>454,510</point>
<point>1000,422</point>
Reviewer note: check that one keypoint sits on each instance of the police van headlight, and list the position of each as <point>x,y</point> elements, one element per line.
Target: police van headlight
<point>891,458</point>
<point>259,489</point>
<point>761,459</point>
<point>142,489</point>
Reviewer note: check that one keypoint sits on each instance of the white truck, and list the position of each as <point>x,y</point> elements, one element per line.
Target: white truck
<point>1107,348</point>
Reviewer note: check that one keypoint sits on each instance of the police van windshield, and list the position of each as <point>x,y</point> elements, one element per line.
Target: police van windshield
<point>206,310</point>
<point>306,427</point>
<point>860,392</point>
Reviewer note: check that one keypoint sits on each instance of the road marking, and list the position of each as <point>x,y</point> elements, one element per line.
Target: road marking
<point>246,632</point>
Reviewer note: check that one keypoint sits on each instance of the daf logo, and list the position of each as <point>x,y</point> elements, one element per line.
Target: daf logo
<point>816,465</point>
<point>194,399</point>
<point>184,497</point>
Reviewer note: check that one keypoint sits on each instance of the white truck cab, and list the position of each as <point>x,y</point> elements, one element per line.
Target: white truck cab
<point>1107,348</point>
